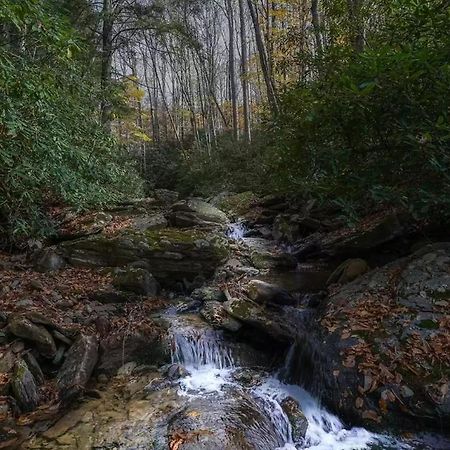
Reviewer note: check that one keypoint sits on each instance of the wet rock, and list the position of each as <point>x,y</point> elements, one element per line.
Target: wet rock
<point>208,294</point>
<point>262,292</point>
<point>264,255</point>
<point>23,386</point>
<point>21,327</point>
<point>157,384</point>
<point>188,305</point>
<point>216,315</point>
<point>174,371</point>
<point>78,366</point>
<point>348,271</point>
<point>390,316</point>
<point>196,212</point>
<point>138,281</point>
<point>268,322</point>
<point>49,261</point>
<point>298,421</point>
<point>146,346</point>
<point>249,377</point>
<point>233,421</point>
<point>173,254</point>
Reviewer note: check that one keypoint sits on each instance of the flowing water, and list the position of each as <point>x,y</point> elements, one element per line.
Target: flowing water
<point>237,231</point>
<point>211,365</point>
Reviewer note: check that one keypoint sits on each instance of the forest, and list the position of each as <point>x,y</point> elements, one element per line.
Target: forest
<point>224,224</point>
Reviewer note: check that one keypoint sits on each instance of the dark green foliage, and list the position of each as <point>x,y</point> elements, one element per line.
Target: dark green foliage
<point>227,166</point>
<point>374,128</point>
<point>52,147</point>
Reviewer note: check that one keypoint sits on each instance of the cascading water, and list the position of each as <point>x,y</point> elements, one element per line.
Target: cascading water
<point>236,231</point>
<point>210,363</point>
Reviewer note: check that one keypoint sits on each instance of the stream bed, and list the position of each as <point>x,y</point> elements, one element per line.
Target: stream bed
<point>211,372</point>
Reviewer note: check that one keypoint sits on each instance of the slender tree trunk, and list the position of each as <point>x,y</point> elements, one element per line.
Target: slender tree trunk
<point>107,55</point>
<point>232,70</point>
<point>270,85</point>
<point>244,72</point>
<point>316,26</point>
<point>356,24</point>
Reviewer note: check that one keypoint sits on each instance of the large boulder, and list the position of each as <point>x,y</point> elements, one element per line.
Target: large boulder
<point>196,212</point>
<point>78,366</point>
<point>172,254</point>
<point>143,346</point>
<point>270,323</point>
<point>232,421</point>
<point>262,292</point>
<point>136,280</point>
<point>264,255</point>
<point>355,241</point>
<point>38,335</point>
<point>378,353</point>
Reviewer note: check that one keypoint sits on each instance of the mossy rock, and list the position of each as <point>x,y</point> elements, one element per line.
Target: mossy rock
<point>172,254</point>
<point>237,205</point>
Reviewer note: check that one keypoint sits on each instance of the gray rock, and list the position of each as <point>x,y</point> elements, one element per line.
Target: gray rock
<point>208,294</point>
<point>23,386</point>
<point>216,315</point>
<point>269,323</point>
<point>143,347</point>
<point>173,254</point>
<point>387,312</point>
<point>196,212</point>
<point>21,327</point>
<point>262,292</point>
<point>138,281</point>
<point>34,367</point>
<point>233,421</point>
<point>298,421</point>
<point>78,366</point>
<point>152,222</point>
<point>49,261</point>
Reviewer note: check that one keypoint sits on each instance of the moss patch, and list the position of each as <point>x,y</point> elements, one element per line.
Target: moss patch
<point>238,204</point>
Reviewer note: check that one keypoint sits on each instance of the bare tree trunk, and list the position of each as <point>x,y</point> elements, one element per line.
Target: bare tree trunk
<point>316,26</point>
<point>244,72</point>
<point>356,24</point>
<point>232,70</point>
<point>107,54</point>
<point>270,85</point>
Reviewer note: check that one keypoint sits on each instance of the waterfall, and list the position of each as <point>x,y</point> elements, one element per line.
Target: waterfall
<point>236,231</point>
<point>196,349</point>
<point>209,360</point>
